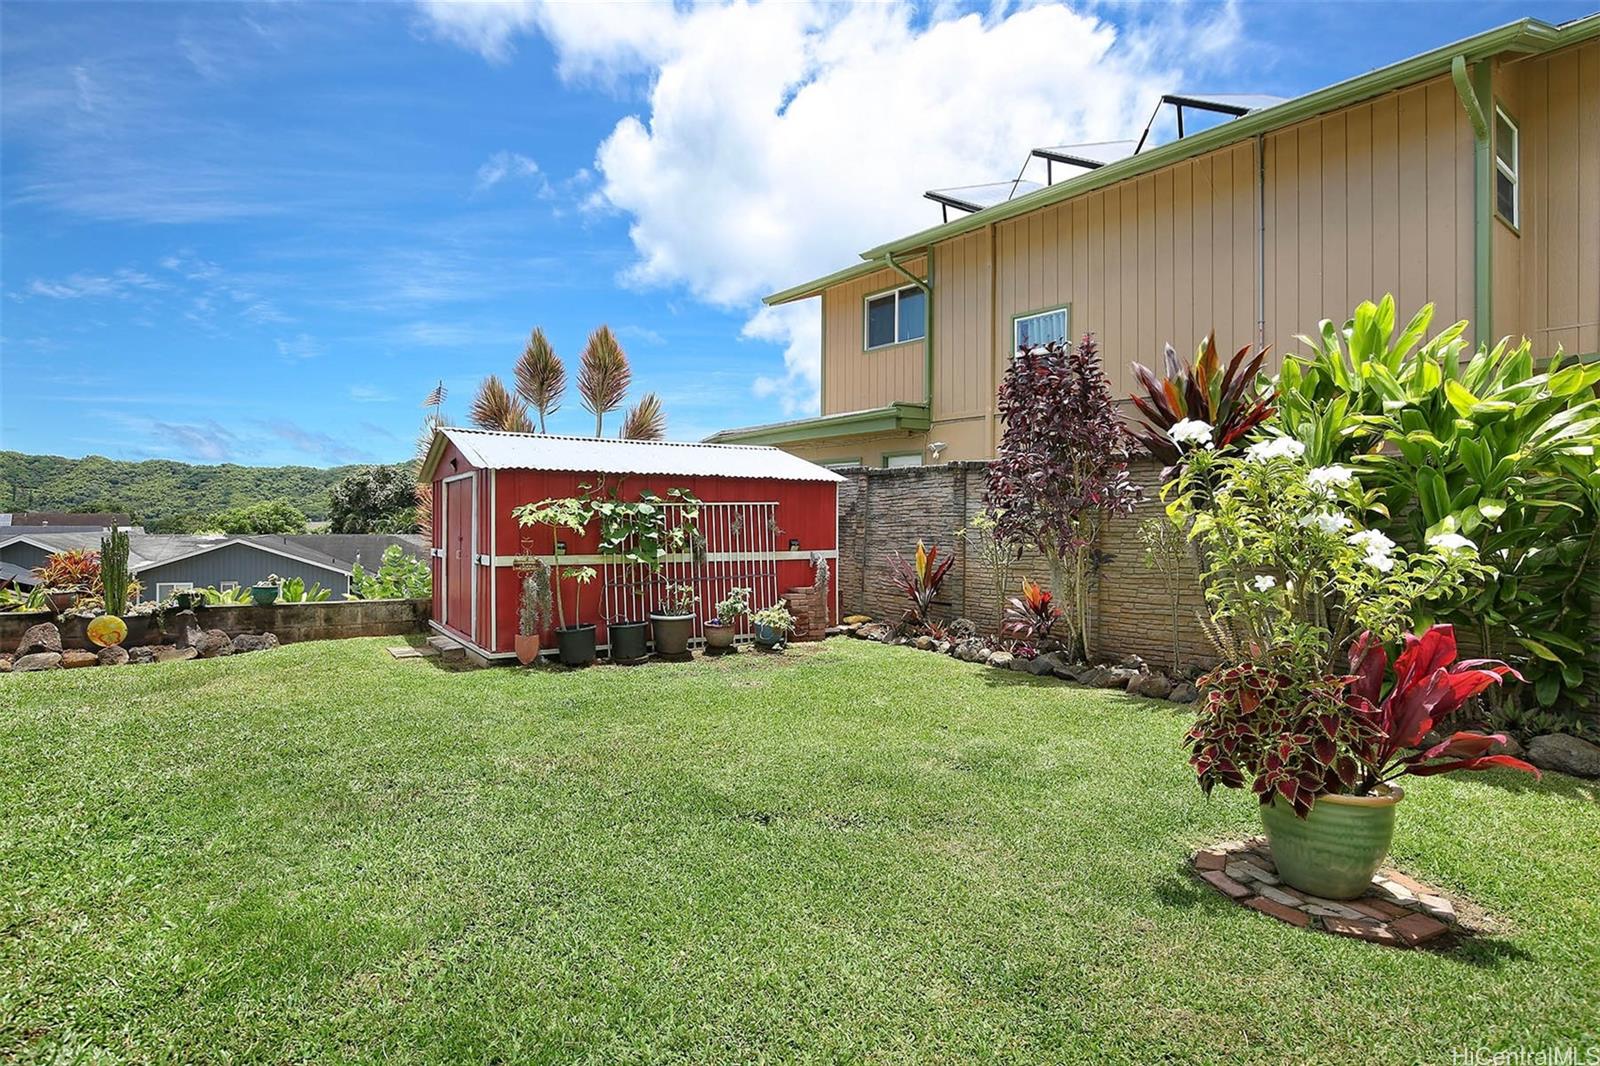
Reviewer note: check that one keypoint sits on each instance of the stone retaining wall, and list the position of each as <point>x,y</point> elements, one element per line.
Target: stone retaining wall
<point>290,621</point>
<point>882,511</point>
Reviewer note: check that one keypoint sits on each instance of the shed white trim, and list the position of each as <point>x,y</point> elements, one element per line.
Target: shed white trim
<point>494,450</point>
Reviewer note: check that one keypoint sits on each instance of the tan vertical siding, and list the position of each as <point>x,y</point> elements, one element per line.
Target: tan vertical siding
<point>854,379</point>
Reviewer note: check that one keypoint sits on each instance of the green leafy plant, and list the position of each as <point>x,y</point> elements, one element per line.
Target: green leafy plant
<point>995,548</point>
<point>17,600</point>
<point>734,604</point>
<point>1166,553</point>
<point>571,513</point>
<point>295,591</point>
<point>214,597</point>
<point>678,598</point>
<point>1483,450</point>
<point>776,618</point>
<point>400,576</point>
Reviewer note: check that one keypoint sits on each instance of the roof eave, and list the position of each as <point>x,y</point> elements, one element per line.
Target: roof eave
<point>896,417</point>
<point>1526,36</point>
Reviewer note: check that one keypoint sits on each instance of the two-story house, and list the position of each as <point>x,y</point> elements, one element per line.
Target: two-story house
<point>1468,176</point>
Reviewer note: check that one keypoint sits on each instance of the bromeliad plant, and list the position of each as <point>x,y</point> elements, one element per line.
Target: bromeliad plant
<point>1284,730</point>
<point>919,580</point>
<point>1201,402</point>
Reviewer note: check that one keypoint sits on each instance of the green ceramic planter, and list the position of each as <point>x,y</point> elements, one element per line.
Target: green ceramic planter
<point>1333,851</point>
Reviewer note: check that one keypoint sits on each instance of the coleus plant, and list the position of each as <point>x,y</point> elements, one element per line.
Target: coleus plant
<point>1031,616</point>
<point>1230,400</point>
<point>919,579</point>
<point>1268,726</point>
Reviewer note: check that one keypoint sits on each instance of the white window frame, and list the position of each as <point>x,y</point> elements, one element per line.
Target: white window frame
<point>1512,171</point>
<point>840,464</point>
<point>866,308</point>
<point>171,587</point>
<point>902,460</point>
<point>1064,310</point>
<point>227,586</point>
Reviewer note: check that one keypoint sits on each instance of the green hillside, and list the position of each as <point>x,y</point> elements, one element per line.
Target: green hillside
<point>157,489</point>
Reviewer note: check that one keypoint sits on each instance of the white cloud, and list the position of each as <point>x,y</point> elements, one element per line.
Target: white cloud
<point>504,166</point>
<point>119,284</point>
<point>781,139</point>
<point>300,346</point>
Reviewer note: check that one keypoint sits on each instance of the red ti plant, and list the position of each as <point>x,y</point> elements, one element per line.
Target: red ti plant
<point>1031,616</point>
<point>920,581</point>
<point>1429,686</point>
<point>75,568</point>
<point>1225,399</point>
<point>1264,726</point>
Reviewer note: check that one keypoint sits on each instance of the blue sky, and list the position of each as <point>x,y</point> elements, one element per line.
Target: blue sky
<point>259,233</point>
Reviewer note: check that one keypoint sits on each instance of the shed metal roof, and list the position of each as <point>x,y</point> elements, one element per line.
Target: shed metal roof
<point>495,450</point>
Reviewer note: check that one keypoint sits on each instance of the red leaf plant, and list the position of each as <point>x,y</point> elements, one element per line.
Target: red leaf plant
<point>75,568</point>
<point>1031,616</point>
<point>1226,399</point>
<point>919,580</point>
<point>1263,725</point>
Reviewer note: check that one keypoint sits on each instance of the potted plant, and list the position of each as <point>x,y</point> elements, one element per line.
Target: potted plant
<point>723,626</point>
<point>264,593</point>
<point>68,576</point>
<point>1303,602</point>
<point>574,643</point>
<point>773,624</point>
<point>673,623</point>
<point>194,599</point>
<point>638,533</point>
<point>533,613</point>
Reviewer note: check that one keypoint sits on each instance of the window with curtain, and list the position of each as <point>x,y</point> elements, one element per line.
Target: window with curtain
<point>1031,331</point>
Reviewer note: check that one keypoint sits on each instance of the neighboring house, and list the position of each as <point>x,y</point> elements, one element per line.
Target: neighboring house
<point>165,563</point>
<point>1468,176</point>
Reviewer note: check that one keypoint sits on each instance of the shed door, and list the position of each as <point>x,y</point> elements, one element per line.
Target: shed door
<point>458,555</point>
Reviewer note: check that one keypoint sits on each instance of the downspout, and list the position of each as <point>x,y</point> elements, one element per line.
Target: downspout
<point>927,335</point>
<point>1261,240</point>
<point>1472,99</point>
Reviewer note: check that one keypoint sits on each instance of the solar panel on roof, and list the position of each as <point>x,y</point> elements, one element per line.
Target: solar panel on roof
<point>978,197</point>
<point>1090,155</point>
<point>1223,103</point>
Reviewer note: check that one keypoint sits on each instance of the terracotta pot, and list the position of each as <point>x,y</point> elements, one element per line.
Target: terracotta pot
<point>1335,849</point>
<point>60,601</point>
<point>719,636</point>
<point>527,647</point>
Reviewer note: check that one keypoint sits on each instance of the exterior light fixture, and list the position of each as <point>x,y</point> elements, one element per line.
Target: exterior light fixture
<point>936,447</point>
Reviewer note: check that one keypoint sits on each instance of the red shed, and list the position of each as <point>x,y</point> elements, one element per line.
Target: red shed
<point>767,518</point>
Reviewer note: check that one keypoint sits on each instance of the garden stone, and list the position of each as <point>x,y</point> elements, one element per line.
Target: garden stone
<point>247,642</point>
<point>1094,677</point>
<point>1132,662</point>
<point>1051,660</point>
<point>923,643</point>
<point>74,660</point>
<point>1040,665</point>
<point>1068,671</point>
<point>1564,754</point>
<point>1019,664</point>
<point>39,660</point>
<point>171,654</point>
<point>1150,686</point>
<point>114,655</point>
<point>1183,692</point>
<point>1001,659</point>
<point>187,629</point>
<point>212,643</point>
<point>1511,747</point>
<point>1118,677</point>
<point>942,647</point>
<point>143,654</point>
<point>44,637</point>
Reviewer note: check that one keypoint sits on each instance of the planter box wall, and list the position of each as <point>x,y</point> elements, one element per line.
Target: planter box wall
<point>290,621</point>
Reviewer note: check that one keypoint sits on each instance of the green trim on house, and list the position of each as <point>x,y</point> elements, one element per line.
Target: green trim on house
<point>1474,88</point>
<point>896,417</point>
<point>1529,36</point>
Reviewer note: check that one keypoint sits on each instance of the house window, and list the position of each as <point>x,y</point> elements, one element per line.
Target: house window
<point>903,459</point>
<point>1031,331</point>
<point>841,464</point>
<point>896,317</point>
<point>227,586</point>
<point>165,589</point>
<point>1507,167</point>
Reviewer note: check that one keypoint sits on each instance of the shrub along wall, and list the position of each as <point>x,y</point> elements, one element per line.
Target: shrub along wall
<point>881,511</point>
<point>290,621</point>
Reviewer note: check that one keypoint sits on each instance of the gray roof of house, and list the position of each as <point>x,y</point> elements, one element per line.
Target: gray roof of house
<point>156,549</point>
<point>351,548</point>
<point>20,576</point>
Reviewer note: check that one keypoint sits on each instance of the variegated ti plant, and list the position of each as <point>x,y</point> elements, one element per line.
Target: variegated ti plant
<point>1230,401</point>
<point>919,579</point>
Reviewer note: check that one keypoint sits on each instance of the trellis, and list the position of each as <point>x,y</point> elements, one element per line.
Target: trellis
<point>728,545</point>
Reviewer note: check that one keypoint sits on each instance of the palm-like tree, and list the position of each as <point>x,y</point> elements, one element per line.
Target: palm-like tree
<point>645,420</point>
<point>603,376</point>
<point>495,408</point>
<point>541,377</point>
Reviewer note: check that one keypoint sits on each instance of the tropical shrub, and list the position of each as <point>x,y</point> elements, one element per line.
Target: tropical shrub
<point>734,604</point>
<point>399,577</point>
<point>994,548</point>
<point>214,597</point>
<point>1286,729</point>
<point>1031,616</point>
<point>919,580</point>
<point>1484,450</point>
<point>776,618</point>
<point>1165,553</point>
<point>1061,468</point>
<point>295,591</point>
<point>75,568</point>
<point>1200,402</point>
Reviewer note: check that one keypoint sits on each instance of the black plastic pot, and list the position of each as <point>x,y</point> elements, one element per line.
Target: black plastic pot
<point>672,632</point>
<point>576,645</point>
<point>627,641</point>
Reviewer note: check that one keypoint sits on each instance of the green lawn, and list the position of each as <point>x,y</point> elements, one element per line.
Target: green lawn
<point>851,852</point>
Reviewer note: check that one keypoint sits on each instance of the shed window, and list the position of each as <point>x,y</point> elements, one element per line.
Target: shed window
<point>1031,331</point>
<point>896,317</point>
<point>1507,167</point>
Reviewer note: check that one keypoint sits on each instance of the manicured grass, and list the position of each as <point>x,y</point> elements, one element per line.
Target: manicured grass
<point>851,852</point>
